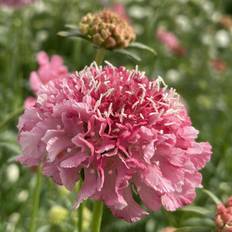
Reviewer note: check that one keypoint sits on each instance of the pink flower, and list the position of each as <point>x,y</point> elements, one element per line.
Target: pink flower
<point>120,9</point>
<point>170,41</point>
<point>29,102</point>
<point>15,3</point>
<point>123,132</point>
<point>48,70</point>
<point>224,217</point>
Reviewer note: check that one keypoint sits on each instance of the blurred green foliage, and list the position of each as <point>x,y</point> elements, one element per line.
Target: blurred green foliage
<point>206,91</point>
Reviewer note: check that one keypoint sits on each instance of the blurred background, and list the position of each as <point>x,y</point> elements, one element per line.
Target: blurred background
<point>198,66</point>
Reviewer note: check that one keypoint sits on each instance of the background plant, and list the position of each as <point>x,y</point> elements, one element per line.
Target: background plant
<point>206,90</point>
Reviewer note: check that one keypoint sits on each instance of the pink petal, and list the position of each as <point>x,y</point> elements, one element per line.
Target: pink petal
<point>88,188</point>
<point>83,143</point>
<point>132,212</point>
<point>149,196</point>
<point>200,154</point>
<point>56,145</point>
<point>35,82</point>
<point>29,102</point>
<point>69,176</point>
<point>74,161</point>
<point>42,58</point>
<point>157,181</point>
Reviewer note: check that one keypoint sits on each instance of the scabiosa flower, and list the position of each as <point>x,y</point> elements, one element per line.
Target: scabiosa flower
<point>224,217</point>
<point>15,3</point>
<point>49,69</point>
<point>107,29</point>
<point>122,133</point>
<point>170,41</point>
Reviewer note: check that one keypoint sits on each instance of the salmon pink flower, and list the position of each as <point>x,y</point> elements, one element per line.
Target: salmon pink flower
<point>170,41</point>
<point>15,3</point>
<point>121,133</point>
<point>49,69</point>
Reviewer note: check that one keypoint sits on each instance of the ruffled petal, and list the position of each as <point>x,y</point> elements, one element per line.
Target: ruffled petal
<point>88,188</point>
<point>69,176</point>
<point>132,212</point>
<point>155,179</point>
<point>73,161</point>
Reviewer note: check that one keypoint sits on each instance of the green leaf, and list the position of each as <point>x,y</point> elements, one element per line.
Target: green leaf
<point>142,47</point>
<point>128,53</point>
<point>75,33</point>
<point>11,146</point>
<point>214,198</point>
<point>196,209</point>
<point>71,26</point>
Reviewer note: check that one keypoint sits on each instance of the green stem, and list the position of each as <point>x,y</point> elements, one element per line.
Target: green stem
<point>100,55</point>
<point>97,216</point>
<point>80,211</point>
<point>36,196</point>
<point>80,217</point>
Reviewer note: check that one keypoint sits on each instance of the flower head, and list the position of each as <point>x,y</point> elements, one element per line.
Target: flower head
<point>107,29</point>
<point>15,3</point>
<point>122,133</point>
<point>170,41</point>
<point>49,69</point>
<point>224,217</point>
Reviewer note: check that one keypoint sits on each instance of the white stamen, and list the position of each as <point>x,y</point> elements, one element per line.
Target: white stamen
<point>108,63</point>
<point>135,104</point>
<point>110,109</point>
<point>97,87</point>
<point>153,103</point>
<point>129,92</point>
<point>122,114</point>
<point>170,123</point>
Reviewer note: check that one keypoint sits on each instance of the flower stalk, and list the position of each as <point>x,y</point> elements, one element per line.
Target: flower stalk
<point>97,216</point>
<point>100,55</point>
<point>98,206</point>
<point>80,211</point>
<point>36,197</point>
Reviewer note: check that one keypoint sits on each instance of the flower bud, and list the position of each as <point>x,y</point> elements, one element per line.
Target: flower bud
<point>107,29</point>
